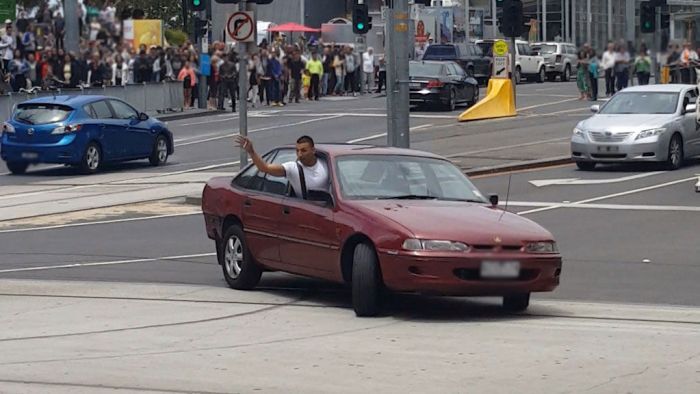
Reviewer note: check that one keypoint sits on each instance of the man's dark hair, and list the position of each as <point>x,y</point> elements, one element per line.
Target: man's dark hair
<point>305,138</point>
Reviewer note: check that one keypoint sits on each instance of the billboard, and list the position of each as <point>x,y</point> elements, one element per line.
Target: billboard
<point>143,32</point>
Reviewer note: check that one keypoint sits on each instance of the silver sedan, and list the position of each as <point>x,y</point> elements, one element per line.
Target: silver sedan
<point>642,123</point>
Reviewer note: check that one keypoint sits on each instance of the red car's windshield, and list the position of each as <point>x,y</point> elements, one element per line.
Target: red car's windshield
<point>385,177</point>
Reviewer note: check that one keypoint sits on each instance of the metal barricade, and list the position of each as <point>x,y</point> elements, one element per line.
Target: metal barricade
<point>157,97</point>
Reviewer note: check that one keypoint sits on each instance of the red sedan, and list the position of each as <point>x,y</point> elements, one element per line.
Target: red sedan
<point>394,219</point>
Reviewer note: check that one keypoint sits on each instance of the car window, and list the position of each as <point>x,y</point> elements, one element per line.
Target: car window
<point>123,111</point>
<point>245,179</point>
<point>91,112</point>
<point>389,176</point>
<point>101,110</point>
<point>41,113</point>
<point>279,184</point>
<point>420,69</point>
<point>459,71</point>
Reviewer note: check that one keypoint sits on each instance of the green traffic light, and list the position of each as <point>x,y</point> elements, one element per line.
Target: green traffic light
<point>647,24</point>
<point>196,2</point>
<point>360,26</point>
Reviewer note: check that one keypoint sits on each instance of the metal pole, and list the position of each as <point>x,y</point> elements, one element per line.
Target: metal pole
<point>566,18</point>
<point>610,19</point>
<point>390,64</point>
<point>202,49</point>
<point>468,26</point>
<point>512,68</point>
<point>71,40</point>
<point>401,105</point>
<point>589,22</point>
<point>573,24</point>
<point>494,18</point>
<point>544,20</point>
<point>245,50</point>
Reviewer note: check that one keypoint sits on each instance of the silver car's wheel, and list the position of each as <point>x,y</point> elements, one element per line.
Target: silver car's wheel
<point>675,153</point>
<point>541,75</point>
<point>567,74</point>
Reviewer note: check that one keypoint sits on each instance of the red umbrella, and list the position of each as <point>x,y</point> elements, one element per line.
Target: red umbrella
<point>293,27</point>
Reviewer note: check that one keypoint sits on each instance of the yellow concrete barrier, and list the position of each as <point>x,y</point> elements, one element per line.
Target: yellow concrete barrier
<point>498,103</point>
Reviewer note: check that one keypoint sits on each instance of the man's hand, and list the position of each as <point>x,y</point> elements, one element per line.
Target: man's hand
<point>245,143</point>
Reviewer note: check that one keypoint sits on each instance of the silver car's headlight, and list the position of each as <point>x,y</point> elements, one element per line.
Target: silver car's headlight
<point>579,132</point>
<point>541,247</point>
<point>434,244</point>
<point>649,133</point>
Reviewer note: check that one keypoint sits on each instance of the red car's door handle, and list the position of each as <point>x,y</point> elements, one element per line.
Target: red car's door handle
<point>247,203</point>
<point>285,210</point>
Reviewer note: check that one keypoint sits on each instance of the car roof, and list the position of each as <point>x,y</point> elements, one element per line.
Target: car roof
<point>341,149</point>
<point>671,88</point>
<point>74,101</point>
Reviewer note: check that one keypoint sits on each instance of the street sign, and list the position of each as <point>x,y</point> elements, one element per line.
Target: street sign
<point>500,48</point>
<point>8,9</point>
<point>241,26</point>
<point>360,44</point>
<point>205,64</point>
<point>500,66</point>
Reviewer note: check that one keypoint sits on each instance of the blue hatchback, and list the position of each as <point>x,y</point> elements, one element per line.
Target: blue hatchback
<point>83,131</point>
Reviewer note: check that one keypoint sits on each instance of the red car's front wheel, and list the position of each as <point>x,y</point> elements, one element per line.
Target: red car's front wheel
<point>366,281</point>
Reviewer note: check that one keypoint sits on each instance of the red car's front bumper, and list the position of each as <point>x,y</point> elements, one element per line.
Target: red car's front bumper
<point>460,276</point>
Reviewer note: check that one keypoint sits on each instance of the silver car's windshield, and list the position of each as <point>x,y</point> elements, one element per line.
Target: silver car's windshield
<point>403,177</point>
<point>641,103</point>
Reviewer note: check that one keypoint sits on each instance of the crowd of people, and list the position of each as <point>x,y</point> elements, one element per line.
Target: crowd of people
<point>619,66</point>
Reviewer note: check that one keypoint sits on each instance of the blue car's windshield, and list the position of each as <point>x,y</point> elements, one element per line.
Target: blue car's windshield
<point>41,113</point>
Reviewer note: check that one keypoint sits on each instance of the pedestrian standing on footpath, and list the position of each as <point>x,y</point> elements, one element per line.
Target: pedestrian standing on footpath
<point>608,65</point>
<point>593,66</point>
<point>582,72</point>
<point>642,65</point>
<point>315,68</point>
<point>368,70</point>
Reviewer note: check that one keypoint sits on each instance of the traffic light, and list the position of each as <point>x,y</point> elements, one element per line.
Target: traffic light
<point>647,17</point>
<point>238,1</point>
<point>201,27</point>
<point>499,3</point>
<point>361,21</point>
<point>512,20</point>
<point>665,21</point>
<point>197,5</point>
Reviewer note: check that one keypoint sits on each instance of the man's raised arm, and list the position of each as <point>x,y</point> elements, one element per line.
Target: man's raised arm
<point>272,169</point>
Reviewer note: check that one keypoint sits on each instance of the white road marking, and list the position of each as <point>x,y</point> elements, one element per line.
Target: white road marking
<point>614,207</point>
<point>22,230</point>
<point>102,263</point>
<point>697,186</point>
<point>228,135</point>
<point>210,121</point>
<point>508,147</point>
<point>643,189</point>
<point>546,104</point>
<point>579,181</point>
<point>371,137</point>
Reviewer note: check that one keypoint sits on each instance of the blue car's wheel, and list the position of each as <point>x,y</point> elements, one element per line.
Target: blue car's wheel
<point>92,159</point>
<point>160,152</point>
<point>17,167</point>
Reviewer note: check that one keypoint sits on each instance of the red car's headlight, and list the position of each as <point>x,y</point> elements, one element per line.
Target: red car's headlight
<point>434,244</point>
<point>541,247</point>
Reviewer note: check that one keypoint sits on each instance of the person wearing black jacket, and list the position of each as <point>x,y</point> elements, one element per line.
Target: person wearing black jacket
<point>229,81</point>
<point>296,67</point>
<point>327,70</point>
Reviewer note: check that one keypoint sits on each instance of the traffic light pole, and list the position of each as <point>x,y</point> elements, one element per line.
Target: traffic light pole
<point>401,103</point>
<point>202,88</point>
<point>390,64</point>
<point>512,69</point>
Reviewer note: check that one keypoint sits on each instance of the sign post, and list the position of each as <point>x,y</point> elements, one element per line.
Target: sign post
<point>240,26</point>
<point>500,59</point>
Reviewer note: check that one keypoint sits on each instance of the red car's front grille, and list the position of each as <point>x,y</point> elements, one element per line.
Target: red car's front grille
<point>473,274</point>
<point>489,248</point>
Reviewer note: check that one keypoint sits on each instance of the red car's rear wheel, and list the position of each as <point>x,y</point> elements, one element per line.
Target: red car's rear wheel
<point>240,270</point>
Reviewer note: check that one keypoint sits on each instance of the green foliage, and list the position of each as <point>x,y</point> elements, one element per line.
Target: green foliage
<point>175,37</point>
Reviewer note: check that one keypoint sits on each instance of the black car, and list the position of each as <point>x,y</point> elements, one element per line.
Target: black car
<point>441,83</point>
<point>469,56</point>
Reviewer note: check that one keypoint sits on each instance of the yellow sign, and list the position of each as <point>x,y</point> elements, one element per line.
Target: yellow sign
<point>148,32</point>
<point>500,48</point>
<point>401,27</point>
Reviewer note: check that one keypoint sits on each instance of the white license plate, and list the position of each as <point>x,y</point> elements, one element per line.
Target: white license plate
<point>30,155</point>
<point>613,149</point>
<point>500,269</point>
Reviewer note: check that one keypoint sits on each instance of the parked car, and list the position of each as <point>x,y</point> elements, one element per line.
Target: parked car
<point>641,123</point>
<point>83,131</point>
<point>441,83</point>
<point>560,59</point>
<point>527,63</point>
<point>468,55</point>
<point>392,219</point>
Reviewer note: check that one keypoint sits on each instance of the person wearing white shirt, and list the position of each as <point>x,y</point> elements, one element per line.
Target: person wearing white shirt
<point>368,69</point>
<point>315,171</point>
<point>608,65</point>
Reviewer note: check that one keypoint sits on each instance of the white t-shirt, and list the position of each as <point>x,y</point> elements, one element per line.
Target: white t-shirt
<point>316,176</point>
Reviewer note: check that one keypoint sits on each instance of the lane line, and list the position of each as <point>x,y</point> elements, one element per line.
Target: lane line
<point>102,263</point>
<point>228,135</point>
<point>626,193</point>
<point>210,121</point>
<point>61,226</point>
<point>546,104</point>
<point>579,181</point>
<point>508,147</point>
<point>371,137</point>
<point>612,207</point>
